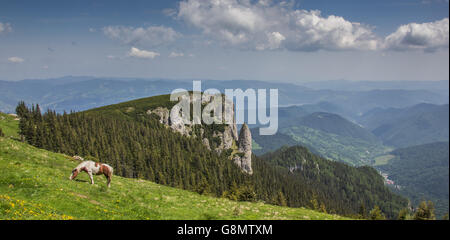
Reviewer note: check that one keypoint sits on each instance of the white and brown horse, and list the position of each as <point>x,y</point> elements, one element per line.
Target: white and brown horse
<point>93,168</point>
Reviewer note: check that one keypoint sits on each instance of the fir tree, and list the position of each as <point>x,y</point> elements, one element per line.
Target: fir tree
<point>376,214</point>
<point>404,214</point>
<point>425,211</point>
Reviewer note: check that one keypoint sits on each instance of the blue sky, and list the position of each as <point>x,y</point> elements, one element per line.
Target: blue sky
<point>226,39</point>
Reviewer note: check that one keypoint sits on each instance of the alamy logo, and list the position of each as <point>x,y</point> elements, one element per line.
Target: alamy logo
<point>218,108</point>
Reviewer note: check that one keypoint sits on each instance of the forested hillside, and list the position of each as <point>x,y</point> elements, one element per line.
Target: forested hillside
<point>419,124</point>
<point>335,124</point>
<point>34,185</point>
<point>138,146</point>
<point>422,173</point>
<point>327,134</point>
<point>338,180</point>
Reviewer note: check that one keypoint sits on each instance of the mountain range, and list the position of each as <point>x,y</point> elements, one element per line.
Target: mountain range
<point>415,125</point>
<point>82,93</point>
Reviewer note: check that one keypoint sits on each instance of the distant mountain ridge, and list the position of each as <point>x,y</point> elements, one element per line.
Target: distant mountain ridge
<point>345,85</point>
<point>333,123</point>
<point>82,93</point>
<point>419,124</point>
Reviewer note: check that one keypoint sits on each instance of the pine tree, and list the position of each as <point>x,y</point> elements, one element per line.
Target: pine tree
<point>404,214</point>
<point>445,217</point>
<point>323,208</point>
<point>21,109</point>
<point>315,203</point>
<point>362,211</point>
<point>281,199</point>
<point>425,211</point>
<point>376,214</point>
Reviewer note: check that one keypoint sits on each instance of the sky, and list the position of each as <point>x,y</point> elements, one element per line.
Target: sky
<point>286,41</point>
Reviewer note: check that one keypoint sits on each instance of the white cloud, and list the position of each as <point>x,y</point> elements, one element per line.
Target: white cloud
<point>5,27</point>
<point>16,60</point>
<point>266,25</point>
<point>274,41</point>
<point>151,36</point>
<point>175,54</point>
<point>92,30</point>
<point>135,52</point>
<point>424,36</point>
<point>274,25</point>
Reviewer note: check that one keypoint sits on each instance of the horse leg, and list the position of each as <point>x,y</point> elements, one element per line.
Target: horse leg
<point>108,177</point>
<point>91,177</point>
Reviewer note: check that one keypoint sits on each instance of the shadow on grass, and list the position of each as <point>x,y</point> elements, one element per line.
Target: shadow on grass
<point>80,180</point>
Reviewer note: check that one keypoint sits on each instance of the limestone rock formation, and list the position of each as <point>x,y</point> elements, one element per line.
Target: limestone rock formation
<point>163,114</point>
<point>176,121</point>
<point>229,138</point>
<point>206,143</point>
<point>245,147</point>
<point>219,148</point>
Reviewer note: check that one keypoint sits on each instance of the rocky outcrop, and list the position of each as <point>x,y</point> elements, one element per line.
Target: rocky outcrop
<point>176,121</point>
<point>226,139</point>
<point>229,138</point>
<point>244,160</point>
<point>162,113</point>
<point>206,143</point>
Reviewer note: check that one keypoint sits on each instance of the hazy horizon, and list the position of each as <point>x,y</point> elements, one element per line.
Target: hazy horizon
<point>90,77</point>
<point>289,41</point>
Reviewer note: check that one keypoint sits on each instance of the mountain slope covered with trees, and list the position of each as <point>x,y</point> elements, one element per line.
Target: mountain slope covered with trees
<point>422,172</point>
<point>138,146</point>
<point>416,125</point>
<point>338,179</point>
<point>34,185</point>
<point>327,134</point>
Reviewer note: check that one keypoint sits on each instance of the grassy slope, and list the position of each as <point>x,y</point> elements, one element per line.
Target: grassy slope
<point>138,106</point>
<point>8,125</point>
<point>34,184</point>
<point>383,159</point>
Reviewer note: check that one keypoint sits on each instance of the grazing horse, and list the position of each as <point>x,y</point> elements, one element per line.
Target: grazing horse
<point>91,168</point>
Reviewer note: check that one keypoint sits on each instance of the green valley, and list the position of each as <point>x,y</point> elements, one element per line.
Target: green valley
<point>354,151</point>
